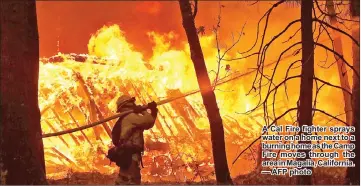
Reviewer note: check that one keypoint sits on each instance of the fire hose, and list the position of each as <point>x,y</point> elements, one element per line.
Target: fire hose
<point>158,103</point>
<point>113,117</point>
<point>130,111</point>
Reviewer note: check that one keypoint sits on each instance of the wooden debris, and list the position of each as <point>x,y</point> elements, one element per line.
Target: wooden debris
<point>82,132</point>
<point>53,128</point>
<point>64,156</point>
<point>94,110</point>
<point>62,124</point>
<point>182,107</point>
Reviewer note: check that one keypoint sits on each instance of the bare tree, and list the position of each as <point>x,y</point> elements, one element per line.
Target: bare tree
<point>209,98</point>
<point>22,153</point>
<point>313,25</point>
<point>304,115</point>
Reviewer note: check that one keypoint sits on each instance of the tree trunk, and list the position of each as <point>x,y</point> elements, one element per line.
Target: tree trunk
<point>22,151</point>
<point>355,8</point>
<point>353,173</point>
<point>209,98</point>
<point>304,115</point>
<point>340,64</point>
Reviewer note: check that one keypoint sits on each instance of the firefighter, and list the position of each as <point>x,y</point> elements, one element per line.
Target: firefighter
<point>128,139</point>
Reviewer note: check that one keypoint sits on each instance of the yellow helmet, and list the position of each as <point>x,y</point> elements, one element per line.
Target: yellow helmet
<point>124,100</point>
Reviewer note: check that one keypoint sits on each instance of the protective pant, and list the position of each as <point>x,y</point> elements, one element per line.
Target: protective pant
<point>132,175</point>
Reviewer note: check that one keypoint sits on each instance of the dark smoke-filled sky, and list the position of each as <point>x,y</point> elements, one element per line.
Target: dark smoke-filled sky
<point>72,23</point>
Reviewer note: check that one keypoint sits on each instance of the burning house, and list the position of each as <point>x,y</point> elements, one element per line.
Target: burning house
<point>79,89</point>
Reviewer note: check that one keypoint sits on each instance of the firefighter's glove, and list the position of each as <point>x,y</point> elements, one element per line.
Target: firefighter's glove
<point>138,109</point>
<point>112,154</point>
<point>152,105</point>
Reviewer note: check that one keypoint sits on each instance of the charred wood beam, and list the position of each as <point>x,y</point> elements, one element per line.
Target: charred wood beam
<point>75,122</point>
<point>161,116</point>
<point>62,124</point>
<point>82,132</point>
<point>179,128</point>
<point>64,157</point>
<point>86,118</point>
<point>99,113</point>
<point>183,101</point>
<point>186,126</point>
<point>51,154</point>
<point>180,108</point>
<point>92,105</point>
<point>46,108</point>
<point>53,128</point>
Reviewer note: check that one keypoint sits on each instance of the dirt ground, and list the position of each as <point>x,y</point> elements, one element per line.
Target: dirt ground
<point>321,176</point>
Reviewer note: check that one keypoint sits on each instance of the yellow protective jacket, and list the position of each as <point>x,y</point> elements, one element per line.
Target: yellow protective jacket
<point>132,127</point>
